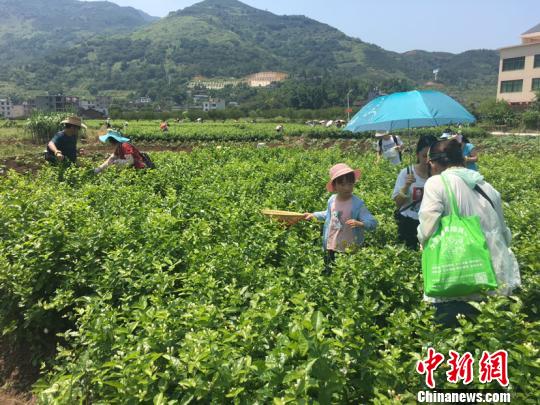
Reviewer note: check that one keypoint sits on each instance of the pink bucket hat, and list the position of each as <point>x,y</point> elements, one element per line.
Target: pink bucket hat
<point>339,170</point>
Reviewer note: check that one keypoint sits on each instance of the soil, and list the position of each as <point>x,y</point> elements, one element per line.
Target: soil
<point>13,399</point>
<point>28,164</point>
<point>17,375</point>
<point>32,162</point>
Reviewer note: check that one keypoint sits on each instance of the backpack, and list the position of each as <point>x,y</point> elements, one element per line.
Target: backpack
<point>395,141</point>
<point>148,163</point>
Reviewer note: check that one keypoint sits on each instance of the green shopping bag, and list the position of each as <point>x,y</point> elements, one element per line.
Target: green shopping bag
<point>456,260</point>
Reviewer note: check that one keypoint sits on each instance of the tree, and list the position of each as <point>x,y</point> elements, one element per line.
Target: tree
<point>535,106</point>
<point>497,113</point>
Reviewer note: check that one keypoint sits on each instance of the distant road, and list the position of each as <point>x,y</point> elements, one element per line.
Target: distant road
<point>515,133</point>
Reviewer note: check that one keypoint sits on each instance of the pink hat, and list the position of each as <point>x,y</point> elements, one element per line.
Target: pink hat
<point>339,170</point>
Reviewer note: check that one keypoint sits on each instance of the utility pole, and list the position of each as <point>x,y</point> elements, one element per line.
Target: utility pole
<point>348,106</point>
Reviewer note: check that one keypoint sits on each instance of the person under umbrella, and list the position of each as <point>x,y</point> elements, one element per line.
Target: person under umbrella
<point>389,147</point>
<point>470,154</point>
<point>408,192</point>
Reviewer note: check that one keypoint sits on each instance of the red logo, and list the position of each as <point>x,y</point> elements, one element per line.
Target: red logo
<point>461,368</point>
<point>494,367</point>
<point>428,366</point>
<point>491,367</point>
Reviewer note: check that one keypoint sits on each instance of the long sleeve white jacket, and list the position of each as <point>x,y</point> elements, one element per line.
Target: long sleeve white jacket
<point>436,203</point>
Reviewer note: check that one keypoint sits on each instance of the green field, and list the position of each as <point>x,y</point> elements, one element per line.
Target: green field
<point>170,287</point>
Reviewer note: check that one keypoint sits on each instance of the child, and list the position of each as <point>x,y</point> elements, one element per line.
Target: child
<point>346,215</point>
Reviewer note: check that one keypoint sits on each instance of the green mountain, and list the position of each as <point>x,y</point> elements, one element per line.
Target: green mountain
<point>30,29</point>
<point>223,38</point>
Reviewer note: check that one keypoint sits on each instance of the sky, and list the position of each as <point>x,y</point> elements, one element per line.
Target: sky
<point>401,25</point>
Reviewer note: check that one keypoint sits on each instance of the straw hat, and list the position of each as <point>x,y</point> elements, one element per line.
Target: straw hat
<point>74,120</point>
<point>380,134</point>
<point>340,170</point>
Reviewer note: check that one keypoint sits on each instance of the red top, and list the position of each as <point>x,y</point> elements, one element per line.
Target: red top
<point>125,149</point>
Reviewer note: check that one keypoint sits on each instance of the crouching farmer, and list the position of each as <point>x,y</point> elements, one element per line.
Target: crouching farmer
<point>124,155</point>
<point>63,145</point>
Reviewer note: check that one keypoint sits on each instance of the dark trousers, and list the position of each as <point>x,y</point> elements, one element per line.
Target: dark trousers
<point>407,229</point>
<point>329,260</point>
<point>446,312</point>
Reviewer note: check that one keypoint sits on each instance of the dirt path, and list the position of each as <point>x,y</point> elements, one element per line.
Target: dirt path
<point>17,375</point>
<point>515,134</point>
<point>13,399</point>
<point>31,162</point>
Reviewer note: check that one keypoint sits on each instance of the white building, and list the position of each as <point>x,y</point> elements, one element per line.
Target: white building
<point>265,79</point>
<point>213,84</point>
<point>200,98</point>
<point>213,104</point>
<point>94,105</point>
<point>6,107</point>
<point>519,69</point>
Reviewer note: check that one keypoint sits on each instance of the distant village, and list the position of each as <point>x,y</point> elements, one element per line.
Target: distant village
<point>98,107</point>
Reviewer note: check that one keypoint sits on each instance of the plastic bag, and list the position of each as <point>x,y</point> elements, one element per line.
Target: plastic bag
<point>456,260</point>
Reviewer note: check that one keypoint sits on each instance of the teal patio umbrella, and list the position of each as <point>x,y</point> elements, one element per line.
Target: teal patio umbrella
<point>411,109</point>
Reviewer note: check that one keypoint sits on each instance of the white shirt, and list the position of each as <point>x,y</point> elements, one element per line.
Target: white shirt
<point>416,191</point>
<point>388,149</point>
<point>436,203</point>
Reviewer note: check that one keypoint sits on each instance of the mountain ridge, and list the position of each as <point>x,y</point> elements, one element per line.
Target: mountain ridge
<point>228,38</point>
<point>33,28</point>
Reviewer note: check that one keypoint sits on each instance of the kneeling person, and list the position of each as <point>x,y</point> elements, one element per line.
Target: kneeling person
<point>124,155</point>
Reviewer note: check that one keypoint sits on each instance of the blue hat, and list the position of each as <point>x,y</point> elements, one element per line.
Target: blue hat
<point>113,134</point>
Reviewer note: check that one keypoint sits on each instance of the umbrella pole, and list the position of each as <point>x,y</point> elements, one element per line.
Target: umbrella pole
<point>409,137</point>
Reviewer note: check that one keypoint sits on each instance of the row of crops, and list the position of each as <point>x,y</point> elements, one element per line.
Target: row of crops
<point>149,131</point>
<point>228,131</point>
<point>169,287</point>
<point>43,126</point>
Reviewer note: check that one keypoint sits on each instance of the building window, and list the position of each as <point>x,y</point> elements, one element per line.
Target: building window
<point>535,84</point>
<point>512,86</point>
<point>537,61</point>
<point>513,63</point>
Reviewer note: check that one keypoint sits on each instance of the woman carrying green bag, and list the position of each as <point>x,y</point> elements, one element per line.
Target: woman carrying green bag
<point>465,239</point>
